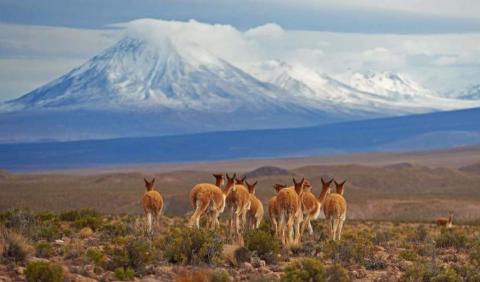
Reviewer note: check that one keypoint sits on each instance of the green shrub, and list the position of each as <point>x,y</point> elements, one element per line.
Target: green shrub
<point>242,254</point>
<point>45,216</point>
<point>95,256</point>
<point>17,248</point>
<point>75,215</point>
<point>135,253</point>
<point>263,243</point>
<point>352,250</point>
<point>40,271</point>
<point>307,269</point>
<point>408,255</point>
<point>418,272</point>
<point>124,274</point>
<point>451,238</point>
<point>72,250</point>
<point>116,229</point>
<point>192,246</point>
<point>447,275</point>
<point>48,230</point>
<point>220,275</point>
<point>43,249</point>
<point>475,254</point>
<point>336,273</point>
<point>92,222</point>
<point>20,220</point>
<point>382,236</point>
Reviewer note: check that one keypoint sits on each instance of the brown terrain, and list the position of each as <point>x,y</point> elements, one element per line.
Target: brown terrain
<point>393,186</point>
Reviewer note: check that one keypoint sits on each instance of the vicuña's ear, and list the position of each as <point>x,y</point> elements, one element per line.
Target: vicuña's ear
<point>330,182</point>
<point>294,181</point>
<point>336,183</point>
<point>234,175</point>
<point>343,183</point>
<point>323,181</point>
<point>153,180</point>
<point>146,181</point>
<point>302,181</point>
<point>255,184</point>
<point>248,184</point>
<point>244,177</point>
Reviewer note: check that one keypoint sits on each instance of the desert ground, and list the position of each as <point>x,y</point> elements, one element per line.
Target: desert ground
<point>87,224</point>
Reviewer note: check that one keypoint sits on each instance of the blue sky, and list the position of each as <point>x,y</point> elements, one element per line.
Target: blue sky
<point>432,40</point>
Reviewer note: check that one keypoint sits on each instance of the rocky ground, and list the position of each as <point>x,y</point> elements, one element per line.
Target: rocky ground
<point>87,246</point>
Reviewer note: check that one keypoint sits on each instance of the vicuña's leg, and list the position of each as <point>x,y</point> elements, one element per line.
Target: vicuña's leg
<point>310,228</point>
<point>290,230</point>
<point>200,209</point>
<point>335,228</point>
<point>281,228</point>
<point>149,222</point>
<point>340,227</point>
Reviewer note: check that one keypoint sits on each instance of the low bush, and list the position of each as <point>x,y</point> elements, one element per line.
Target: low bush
<point>307,269</point>
<point>44,216</point>
<point>48,230</point>
<point>336,273</point>
<point>74,215</point>
<point>124,274</point>
<point>43,249</point>
<point>451,238</point>
<point>447,275</point>
<point>263,243</point>
<point>21,221</point>
<point>192,246</point>
<point>73,250</point>
<point>96,256</point>
<point>116,229</point>
<point>132,252</point>
<point>351,250</point>
<point>219,275</point>
<point>408,255</point>
<point>475,254</point>
<point>41,271</point>
<point>17,248</point>
<point>418,272</point>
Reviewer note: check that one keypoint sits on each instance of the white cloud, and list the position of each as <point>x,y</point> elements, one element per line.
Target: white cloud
<point>271,30</point>
<point>31,56</point>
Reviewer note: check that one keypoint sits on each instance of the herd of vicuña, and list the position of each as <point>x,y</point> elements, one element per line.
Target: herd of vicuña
<point>290,210</point>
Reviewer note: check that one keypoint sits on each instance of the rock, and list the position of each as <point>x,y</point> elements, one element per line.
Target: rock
<point>229,254</point>
<point>20,270</point>
<point>59,242</point>
<point>80,278</point>
<point>150,279</point>
<point>247,265</point>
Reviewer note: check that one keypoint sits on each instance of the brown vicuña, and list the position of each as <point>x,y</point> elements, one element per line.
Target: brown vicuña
<point>335,210</point>
<point>255,213</point>
<point>273,213</point>
<point>238,202</point>
<point>446,221</point>
<point>290,213</point>
<point>311,205</point>
<point>209,199</point>
<point>152,204</point>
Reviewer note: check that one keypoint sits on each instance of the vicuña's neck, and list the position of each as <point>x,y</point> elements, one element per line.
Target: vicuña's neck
<point>323,195</point>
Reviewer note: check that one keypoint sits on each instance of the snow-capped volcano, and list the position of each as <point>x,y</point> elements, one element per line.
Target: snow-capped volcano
<point>145,86</point>
<point>153,75</point>
<point>368,94</point>
<point>471,92</point>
